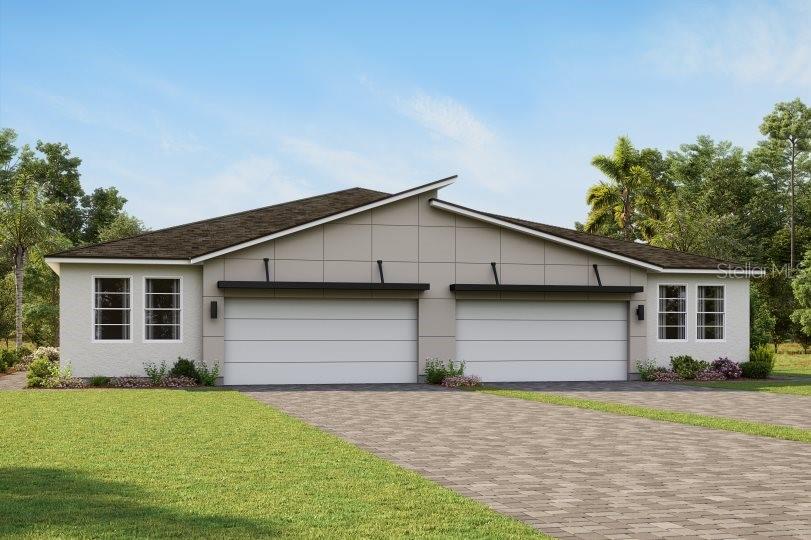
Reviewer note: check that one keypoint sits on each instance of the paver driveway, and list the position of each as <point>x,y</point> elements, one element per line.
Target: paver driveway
<point>745,405</point>
<point>572,472</point>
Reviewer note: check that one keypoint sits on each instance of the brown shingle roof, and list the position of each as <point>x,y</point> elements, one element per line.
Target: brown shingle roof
<point>201,237</point>
<point>665,258</point>
<point>207,236</point>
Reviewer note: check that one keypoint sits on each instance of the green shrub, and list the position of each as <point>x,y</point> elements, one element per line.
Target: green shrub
<point>99,380</point>
<point>7,359</point>
<point>687,367</point>
<point>156,373</point>
<point>764,354</point>
<point>647,369</point>
<point>183,368</point>
<point>756,370</point>
<point>205,375</point>
<point>436,371</point>
<point>42,373</point>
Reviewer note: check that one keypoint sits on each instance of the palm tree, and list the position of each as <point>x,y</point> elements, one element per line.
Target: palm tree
<point>24,219</point>
<point>619,204</point>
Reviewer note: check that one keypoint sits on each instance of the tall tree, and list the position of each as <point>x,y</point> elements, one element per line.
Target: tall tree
<point>100,210</point>
<point>620,204</point>
<point>802,293</point>
<point>25,217</point>
<point>122,226</point>
<point>58,174</point>
<point>789,125</point>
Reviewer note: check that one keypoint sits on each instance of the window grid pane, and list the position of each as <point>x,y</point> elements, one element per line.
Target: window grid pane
<point>672,312</point>
<point>162,309</point>
<point>111,309</point>
<point>710,312</point>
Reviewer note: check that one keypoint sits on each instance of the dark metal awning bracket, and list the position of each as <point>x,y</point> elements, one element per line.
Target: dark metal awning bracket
<point>495,272</point>
<point>380,269</point>
<point>597,273</point>
<point>267,269</point>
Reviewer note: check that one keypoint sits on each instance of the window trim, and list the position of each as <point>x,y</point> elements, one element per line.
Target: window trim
<point>686,311</point>
<point>180,310</point>
<point>93,278</point>
<point>724,313</point>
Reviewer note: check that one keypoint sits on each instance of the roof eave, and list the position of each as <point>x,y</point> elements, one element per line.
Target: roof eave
<point>473,214</point>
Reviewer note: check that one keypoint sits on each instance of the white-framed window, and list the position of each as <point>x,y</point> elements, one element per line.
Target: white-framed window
<point>162,309</point>
<point>112,308</point>
<point>710,313</point>
<point>672,312</point>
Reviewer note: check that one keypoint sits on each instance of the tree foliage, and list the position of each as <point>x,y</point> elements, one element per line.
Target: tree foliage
<point>801,287</point>
<point>44,209</point>
<point>622,204</point>
<point>713,198</point>
<point>123,226</point>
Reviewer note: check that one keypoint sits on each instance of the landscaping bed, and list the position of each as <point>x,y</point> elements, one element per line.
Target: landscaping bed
<point>44,372</point>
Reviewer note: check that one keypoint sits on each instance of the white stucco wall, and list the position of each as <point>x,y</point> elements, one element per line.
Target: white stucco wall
<point>736,342</point>
<point>88,358</point>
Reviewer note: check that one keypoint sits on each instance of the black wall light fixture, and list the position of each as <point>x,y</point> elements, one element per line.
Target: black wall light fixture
<point>213,309</point>
<point>640,312</point>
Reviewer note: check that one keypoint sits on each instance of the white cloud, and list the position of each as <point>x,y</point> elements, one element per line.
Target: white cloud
<point>251,182</point>
<point>347,167</point>
<point>447,118</point>
<point>750,42</point>
<point>463,142</point>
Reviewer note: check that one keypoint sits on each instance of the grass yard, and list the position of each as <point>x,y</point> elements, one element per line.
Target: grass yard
<point>168,463</point>
<point>797,387</point>
<point>792,365</point>
<point>691,419</point>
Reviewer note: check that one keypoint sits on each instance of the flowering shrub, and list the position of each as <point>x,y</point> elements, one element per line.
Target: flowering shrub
<point>72,382</point>
<point>437,371</point>
<point>130,382</point>
<point>179,382</point>
<point>42,373</point>
<point>51,353</point>
<point>710,375</point>
<point>461,381</point>
<point>725,366</point>
<point>666,376</point>
<point>647,369</point>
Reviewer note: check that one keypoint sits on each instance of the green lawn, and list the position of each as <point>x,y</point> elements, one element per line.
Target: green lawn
<point>168,463</point>
<point>797,388</point>
<point>785,365</point>
<point>792,365</point>
<point>692,419</point>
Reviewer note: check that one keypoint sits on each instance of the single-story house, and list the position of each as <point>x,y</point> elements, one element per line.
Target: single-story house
<point>360,286</point>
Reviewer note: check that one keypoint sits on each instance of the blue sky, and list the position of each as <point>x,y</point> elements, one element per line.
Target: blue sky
<point>199,109</point>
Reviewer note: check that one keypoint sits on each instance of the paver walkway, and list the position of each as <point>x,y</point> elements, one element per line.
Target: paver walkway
<point>745,405</point>
<point>569,472</point>
<point>13,381</point>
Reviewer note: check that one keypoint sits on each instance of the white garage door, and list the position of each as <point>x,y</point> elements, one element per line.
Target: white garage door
<point>543,341</point>
<point>319,341</point>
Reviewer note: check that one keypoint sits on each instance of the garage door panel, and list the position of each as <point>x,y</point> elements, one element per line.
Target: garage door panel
<point>548,371</point>
<point>320,341</point>
<point>509,330</point>
<point>541,311</point>
<point>320,373</point>
<point>298,329</point>
<point>318,309</point>
<point>514,340</point>
<point>319,351</point>
<point>471,351</point>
